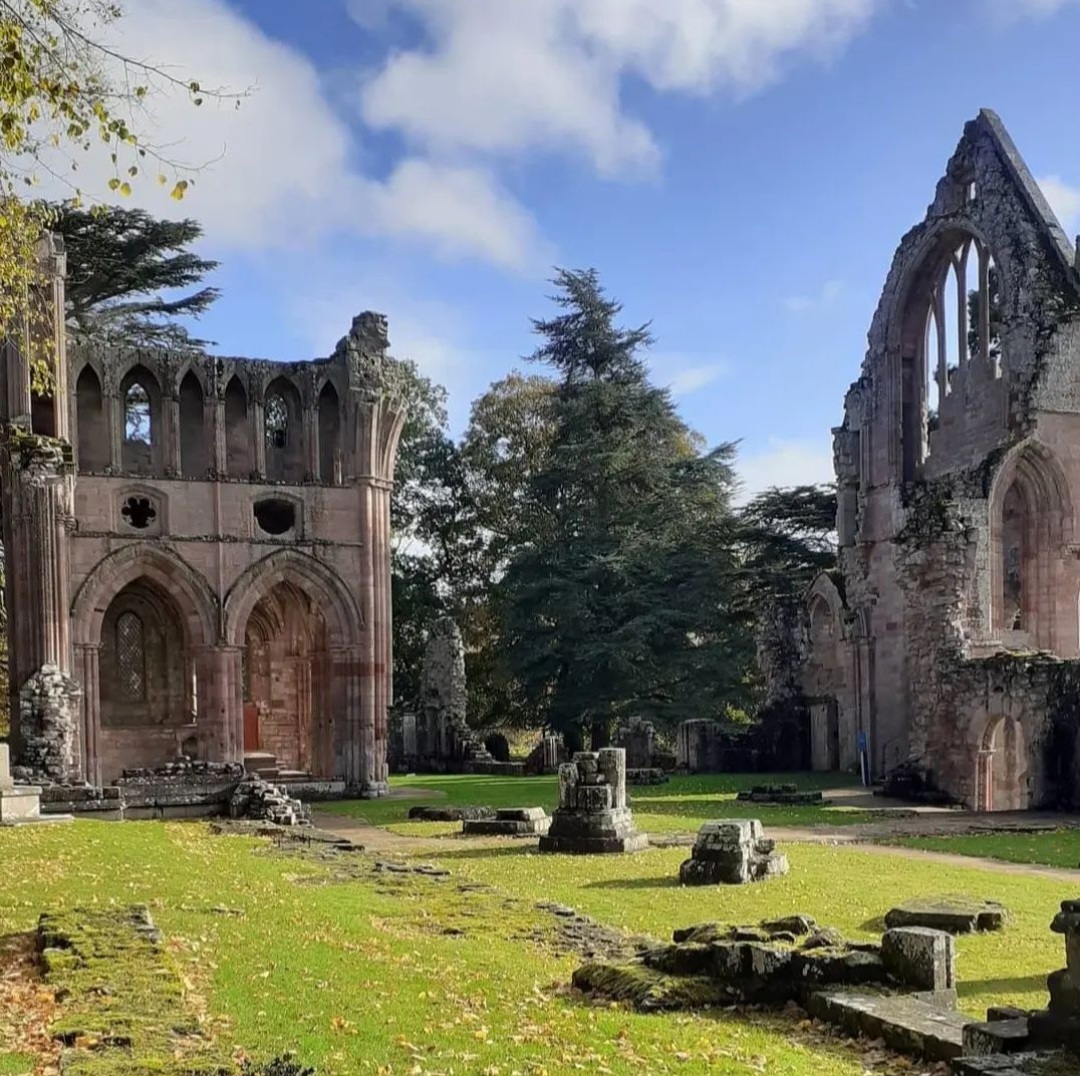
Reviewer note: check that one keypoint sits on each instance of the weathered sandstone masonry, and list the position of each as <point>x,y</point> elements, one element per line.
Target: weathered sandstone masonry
<point>948,638</point>
<point>198,557</point>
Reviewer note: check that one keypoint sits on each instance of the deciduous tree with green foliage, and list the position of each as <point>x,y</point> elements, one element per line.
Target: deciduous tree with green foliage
<point>623,599</point>
<point>119,261</point>
<point>63,90</point>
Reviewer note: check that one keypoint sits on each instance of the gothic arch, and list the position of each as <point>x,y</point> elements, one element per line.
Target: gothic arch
<point>930,335</point>
<point>195,601</point>
<point>189,366</point>
<point>320,583</point>
<point>1032,524</point>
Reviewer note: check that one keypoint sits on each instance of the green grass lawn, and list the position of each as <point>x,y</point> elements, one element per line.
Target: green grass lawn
<point>1059,848</point>
<point>401,974</point>
<point>680,805</point>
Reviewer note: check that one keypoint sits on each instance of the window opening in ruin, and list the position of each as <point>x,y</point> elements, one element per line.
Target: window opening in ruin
<point>970,192</point>
<point>137,425</point>
<point>277,422</point>
<point>194,443</point>
<point>329,426</point>
<point>90,419</point>
<point>139,512</point>
<point>238,438</point>
<point>933,394</point>
<point>131,657</point>
<point>1013,520</point>
<point>988,328</point>
<point>43,415</point>
<point>275,516</point>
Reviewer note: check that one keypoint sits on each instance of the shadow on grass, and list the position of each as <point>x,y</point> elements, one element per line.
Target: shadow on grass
<point>483,852</point>
<point>874,926</point>
<point>661,882</point>
<point>1029,984</point>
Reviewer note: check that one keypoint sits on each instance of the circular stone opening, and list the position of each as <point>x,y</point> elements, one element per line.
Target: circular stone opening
<point>275,516</point>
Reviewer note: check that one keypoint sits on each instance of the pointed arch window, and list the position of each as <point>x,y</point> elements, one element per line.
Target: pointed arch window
<point>277,422</point>
<point>137,425</point>
<point>131,657</point>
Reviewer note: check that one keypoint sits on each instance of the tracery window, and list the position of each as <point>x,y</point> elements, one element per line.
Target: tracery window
<point>137,424</point>
<point>131,657</point>
<point>277,421</point>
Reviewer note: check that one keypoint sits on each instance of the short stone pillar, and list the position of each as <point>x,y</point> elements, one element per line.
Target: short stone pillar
<point>638,738</point>
<point>18,803</point>
<point>1059,1024</point>
<point>1064,985</point>
<point>732,853</point>
<point>697,746</point>
<point>593,815</point>
<point>547,756</point>
<point>920,958</point>
<point>50,710</point>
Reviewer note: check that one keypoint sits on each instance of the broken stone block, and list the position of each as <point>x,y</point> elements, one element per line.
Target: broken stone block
<point>954,915</point>
<point>1028,1064</point>
<point>997,1037</point>
<point>449,814</point>
<point>510,822</point>
<point>731,853</point>
<point>920,958</point>
<point>798,925</point>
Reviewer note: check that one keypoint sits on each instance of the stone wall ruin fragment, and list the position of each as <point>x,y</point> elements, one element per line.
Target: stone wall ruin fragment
<point>949,637</point>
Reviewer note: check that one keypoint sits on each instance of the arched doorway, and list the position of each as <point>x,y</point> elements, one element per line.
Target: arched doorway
<point>288,723</point>
<point>1001,768</point>
<point>148,685</point>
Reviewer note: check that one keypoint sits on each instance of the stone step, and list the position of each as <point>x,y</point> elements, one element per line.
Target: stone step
<point>907,1024</point>
<point>261,762</point>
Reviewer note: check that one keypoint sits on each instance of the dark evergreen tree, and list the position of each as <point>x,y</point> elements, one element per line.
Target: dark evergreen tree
<point>124,268</point>
<point>788,537</point>
<point>622,598</point>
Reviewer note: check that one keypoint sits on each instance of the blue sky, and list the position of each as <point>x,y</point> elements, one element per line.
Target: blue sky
<point>739,171</point>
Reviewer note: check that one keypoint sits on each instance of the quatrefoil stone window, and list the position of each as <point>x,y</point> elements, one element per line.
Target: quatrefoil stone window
<point>139,512</point>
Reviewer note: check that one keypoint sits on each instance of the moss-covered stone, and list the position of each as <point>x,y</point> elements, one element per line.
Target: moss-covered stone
<point>649,990</point>
<point>122,1007</point>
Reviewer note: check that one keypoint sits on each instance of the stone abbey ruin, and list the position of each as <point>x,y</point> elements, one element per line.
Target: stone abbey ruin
<point>200,550</point>
<point>947,640</point>
<point>198,563</point>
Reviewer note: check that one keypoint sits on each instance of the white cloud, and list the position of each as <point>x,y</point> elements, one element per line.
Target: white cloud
<point>830,291</point>
<point>497,77</point>
<point>279,170</point>
<point>1029,8</point>
<point>690,379</point>
<point>785,463</point>
<point>1064,201</point>
<point>460,210</point>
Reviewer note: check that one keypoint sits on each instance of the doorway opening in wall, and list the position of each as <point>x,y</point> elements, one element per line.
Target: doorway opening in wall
<point>288,721</point>
<point>825,735</point>
<point>1001,768</point>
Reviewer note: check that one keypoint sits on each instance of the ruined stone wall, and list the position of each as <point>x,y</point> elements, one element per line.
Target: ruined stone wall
<point>958,468</point>
<point>204,494</point>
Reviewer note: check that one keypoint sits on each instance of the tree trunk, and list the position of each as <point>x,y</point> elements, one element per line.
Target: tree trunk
<point>601,732</point>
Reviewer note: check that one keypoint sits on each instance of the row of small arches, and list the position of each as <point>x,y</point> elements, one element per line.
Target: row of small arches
<point>142,443</point>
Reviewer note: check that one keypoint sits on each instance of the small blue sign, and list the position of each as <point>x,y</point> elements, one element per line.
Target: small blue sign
<point>862,740</point>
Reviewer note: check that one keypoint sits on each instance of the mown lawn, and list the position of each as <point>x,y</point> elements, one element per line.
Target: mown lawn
<point>680,805</point>
<point>1058,848</point>
<point>403,974</point>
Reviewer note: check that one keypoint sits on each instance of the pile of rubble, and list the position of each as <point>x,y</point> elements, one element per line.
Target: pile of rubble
<point>772,963</point>
<point>261,801</point>
<point>732,853</point>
